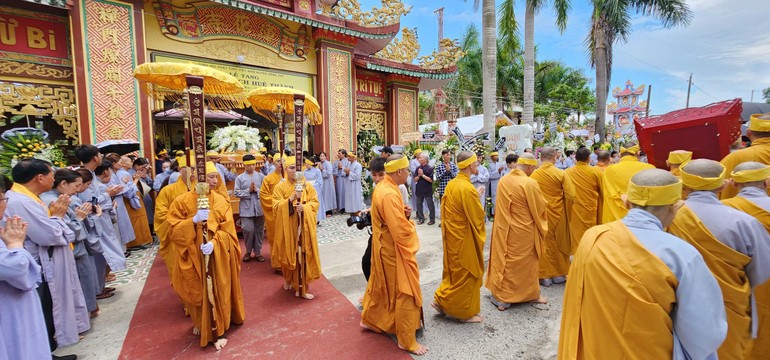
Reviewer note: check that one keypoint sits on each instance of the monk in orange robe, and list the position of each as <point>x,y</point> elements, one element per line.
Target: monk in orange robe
<point>759,151</point>
<point>558,193</point>
<point>289,209</point>
<point>163,202</point>
<point>751,179</point>
<point>734,245</point>
<point>586,211</point>
<point>518,236</point>
<point>464,233</point>
<point>603,160</point>
<point>636,292</point>
<point>190,276</point>
<point>393,300</point>
<point>266,199</point>
<point>616,179</point>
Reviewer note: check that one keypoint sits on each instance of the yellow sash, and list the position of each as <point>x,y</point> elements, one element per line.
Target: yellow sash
<point>761,347</point>
<point>727,266</point>
<point>21,189</point>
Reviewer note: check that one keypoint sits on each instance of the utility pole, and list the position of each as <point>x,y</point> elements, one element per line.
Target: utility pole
<point>647,111</point>
<point>752,95</point>
<point>689,85</point>
<point>440,14</point>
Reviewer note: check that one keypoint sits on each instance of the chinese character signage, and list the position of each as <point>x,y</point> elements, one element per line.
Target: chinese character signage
<point>110,51</point>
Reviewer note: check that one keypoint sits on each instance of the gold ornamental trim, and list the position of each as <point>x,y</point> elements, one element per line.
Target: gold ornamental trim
<point>404,50</point>
<point>40,100</point>
<point>370,105</point>
<point>388,14</point>
<point>29,69</point>
<point>448,54</point>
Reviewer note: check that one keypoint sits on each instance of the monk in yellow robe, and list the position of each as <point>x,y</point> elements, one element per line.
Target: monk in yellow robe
<point>616,179</point>
<point>751,179</point>
<point>189,279</point>
<point>518,236</point>
<point>266,199</point>
<point>676,159</point>
<point>759,151</point>
<point>636,292</point>
<point>463,233</point>
<point>586,209</point>
<point>734,245</point>
<point>393,300</point>
<point>603,160</point>
<point>163,202</point>
<point>558,193</point>
<point>289,208</point>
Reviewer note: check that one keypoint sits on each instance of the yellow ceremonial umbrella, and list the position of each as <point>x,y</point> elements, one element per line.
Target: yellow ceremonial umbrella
<point>266,98</point>
<point>167,78</point>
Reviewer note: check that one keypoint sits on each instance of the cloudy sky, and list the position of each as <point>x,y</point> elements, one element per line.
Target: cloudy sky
<point>726,47</point>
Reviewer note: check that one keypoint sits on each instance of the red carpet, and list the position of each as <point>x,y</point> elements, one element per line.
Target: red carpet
<point>277,325</point>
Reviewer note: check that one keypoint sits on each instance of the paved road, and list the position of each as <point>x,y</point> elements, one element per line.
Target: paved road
<point>522,332</point>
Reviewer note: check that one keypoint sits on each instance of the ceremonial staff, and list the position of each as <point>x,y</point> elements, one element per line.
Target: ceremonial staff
<point>299,185</point>
<point>198,122</point>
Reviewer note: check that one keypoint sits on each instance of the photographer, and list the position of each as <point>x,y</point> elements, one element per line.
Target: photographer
<point>377,169</point>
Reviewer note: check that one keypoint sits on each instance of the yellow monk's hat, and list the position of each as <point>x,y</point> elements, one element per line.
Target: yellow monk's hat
<point>308,162</point>
<point>259,157</point>
<point>696,182</point>
<point>417,151</point>
<point>289,161</point>
<point>212,153</point>
<point>211,168</point>
<point>759,122</point>
<point>752,175</point>
<point>179,153</point>
<point>654,195</point>
<point>494,153</point>
<point>182,160</point>
<point>467,162</point>
<point>276,157</point>
<point>395,165</point>
<point>678,157</point>
<point>631,150</point>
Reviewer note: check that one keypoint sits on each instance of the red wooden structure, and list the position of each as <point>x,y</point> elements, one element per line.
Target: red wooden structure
<point>706,131</point>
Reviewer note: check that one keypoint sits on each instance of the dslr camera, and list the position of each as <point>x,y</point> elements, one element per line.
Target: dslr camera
<point>363,221</point>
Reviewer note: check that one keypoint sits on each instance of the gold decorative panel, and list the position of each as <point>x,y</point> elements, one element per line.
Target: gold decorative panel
<point>40,100</point>
<point>370,105</point>
<point>404,50</point>
<point>34,70</point>
<point>340,99</point>
<point>373,121</point>
<point>407,111</point>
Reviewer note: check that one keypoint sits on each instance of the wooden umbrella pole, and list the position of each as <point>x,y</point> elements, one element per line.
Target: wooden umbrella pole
<point>198,125</point>
<point>299,115</point>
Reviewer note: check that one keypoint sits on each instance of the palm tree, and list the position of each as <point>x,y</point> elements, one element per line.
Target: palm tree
<point>532,7</point>
<point>610,23</point>
<point>489,53</point>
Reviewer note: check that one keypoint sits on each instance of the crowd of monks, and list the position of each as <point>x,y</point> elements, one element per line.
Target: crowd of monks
<point>657,264</point>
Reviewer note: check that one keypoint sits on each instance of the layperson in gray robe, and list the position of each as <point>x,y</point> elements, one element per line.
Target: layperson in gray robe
<point>329,192</point>
<point>269,167</point>
<point>112,251</point>
<point>247,186</point>
<point>23,333</point>
<point>48,241</point>
<point>497,168</point>
<point>339,177</point>
<point>162,176</point>
<point>481,179</point>
<point>354,198</point>
<point>314,177</point>
<point>125,228</point>
<point>413,165</point>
